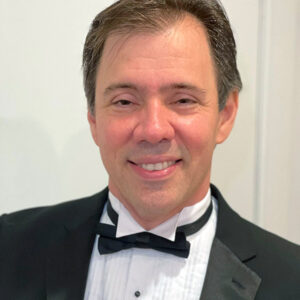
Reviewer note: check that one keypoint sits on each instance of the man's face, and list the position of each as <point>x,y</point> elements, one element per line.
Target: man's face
<point>156,119</point>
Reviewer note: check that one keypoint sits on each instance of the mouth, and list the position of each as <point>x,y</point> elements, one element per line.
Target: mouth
<point>156,166</point>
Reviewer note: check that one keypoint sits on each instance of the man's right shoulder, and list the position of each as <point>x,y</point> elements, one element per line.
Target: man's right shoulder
<point>28,238</point>
<point>45,219</point>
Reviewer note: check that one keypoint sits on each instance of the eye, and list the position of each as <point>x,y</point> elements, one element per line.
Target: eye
<point>186,101</point>
<point>122,102</point>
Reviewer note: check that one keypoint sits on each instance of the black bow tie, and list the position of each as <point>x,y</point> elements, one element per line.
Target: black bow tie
<point>108,243</point>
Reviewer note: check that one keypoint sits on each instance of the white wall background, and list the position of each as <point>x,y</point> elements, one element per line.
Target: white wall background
<point>46,152</point>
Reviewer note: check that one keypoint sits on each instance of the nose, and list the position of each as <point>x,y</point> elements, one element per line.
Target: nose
<point>154,124</point>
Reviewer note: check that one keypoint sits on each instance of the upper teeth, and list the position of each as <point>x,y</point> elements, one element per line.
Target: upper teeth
<point>158,166</point>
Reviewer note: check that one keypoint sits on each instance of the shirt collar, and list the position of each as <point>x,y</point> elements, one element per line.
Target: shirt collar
<point>127,224</point>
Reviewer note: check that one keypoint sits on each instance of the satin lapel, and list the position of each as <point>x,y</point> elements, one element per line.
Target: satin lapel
<point>68,262</point>
<point>227,277</point>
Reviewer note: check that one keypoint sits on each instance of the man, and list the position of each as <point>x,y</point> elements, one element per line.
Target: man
<point>162,88</point>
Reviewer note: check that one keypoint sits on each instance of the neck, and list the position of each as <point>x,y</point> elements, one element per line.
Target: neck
<point>149,222</point>
<point>150,217</point>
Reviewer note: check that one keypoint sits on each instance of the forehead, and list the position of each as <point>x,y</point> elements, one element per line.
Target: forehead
<point>187,27</point>
<point>178,48</point>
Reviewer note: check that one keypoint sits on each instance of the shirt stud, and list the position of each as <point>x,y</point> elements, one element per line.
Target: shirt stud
<point>137,294</point>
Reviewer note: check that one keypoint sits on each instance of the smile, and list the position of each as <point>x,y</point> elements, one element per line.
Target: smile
<point>158,166</point>
<point>155,170</point>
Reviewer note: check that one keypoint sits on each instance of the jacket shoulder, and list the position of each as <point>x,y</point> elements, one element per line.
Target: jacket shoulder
<point>274,259</point>
<point>45,223</point>
<point>27,240</point>
<point>241,235</point>
<point>273,248</point>
<point>59,212</point>
<point>277,262</point>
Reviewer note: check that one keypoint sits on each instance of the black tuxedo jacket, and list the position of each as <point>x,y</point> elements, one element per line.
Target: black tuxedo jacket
<point>45,254</point>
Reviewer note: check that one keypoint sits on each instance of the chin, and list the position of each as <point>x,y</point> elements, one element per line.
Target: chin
<point>158,201</point>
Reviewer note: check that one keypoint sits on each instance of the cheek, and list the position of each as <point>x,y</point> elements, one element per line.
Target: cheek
<point>112,134</point>
<point>197,134</point>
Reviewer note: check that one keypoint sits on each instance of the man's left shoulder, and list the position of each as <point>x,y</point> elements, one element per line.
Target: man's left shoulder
<point>235,230</point>
<point>274,259</point>
<point>276,262</point>
<point>274,246</point>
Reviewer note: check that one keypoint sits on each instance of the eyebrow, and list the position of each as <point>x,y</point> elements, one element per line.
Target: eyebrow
<point>172,86</point>
<point>118,86</point>
<point>183,86</point>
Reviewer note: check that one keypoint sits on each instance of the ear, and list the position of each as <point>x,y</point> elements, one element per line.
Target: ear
<point>92,121</point>
<point>227,116</point>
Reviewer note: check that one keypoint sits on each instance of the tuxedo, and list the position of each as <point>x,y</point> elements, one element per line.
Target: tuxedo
<point>45,254</point>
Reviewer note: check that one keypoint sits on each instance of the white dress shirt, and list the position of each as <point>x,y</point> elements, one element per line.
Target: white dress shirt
<point>149,274</point>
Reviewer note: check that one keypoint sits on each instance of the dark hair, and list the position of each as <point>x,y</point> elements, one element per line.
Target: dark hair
<point>126,16</point>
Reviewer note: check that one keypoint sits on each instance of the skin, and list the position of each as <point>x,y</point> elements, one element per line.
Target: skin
<point>156,100</point>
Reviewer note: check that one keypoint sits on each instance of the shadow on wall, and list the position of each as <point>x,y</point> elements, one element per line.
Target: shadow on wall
<point>29,165</point>
<point>82,171</point>
<point>33,173</point>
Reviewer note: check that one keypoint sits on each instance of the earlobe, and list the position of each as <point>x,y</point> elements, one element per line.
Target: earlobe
<point>227,116</point>
<point>92,121</point>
